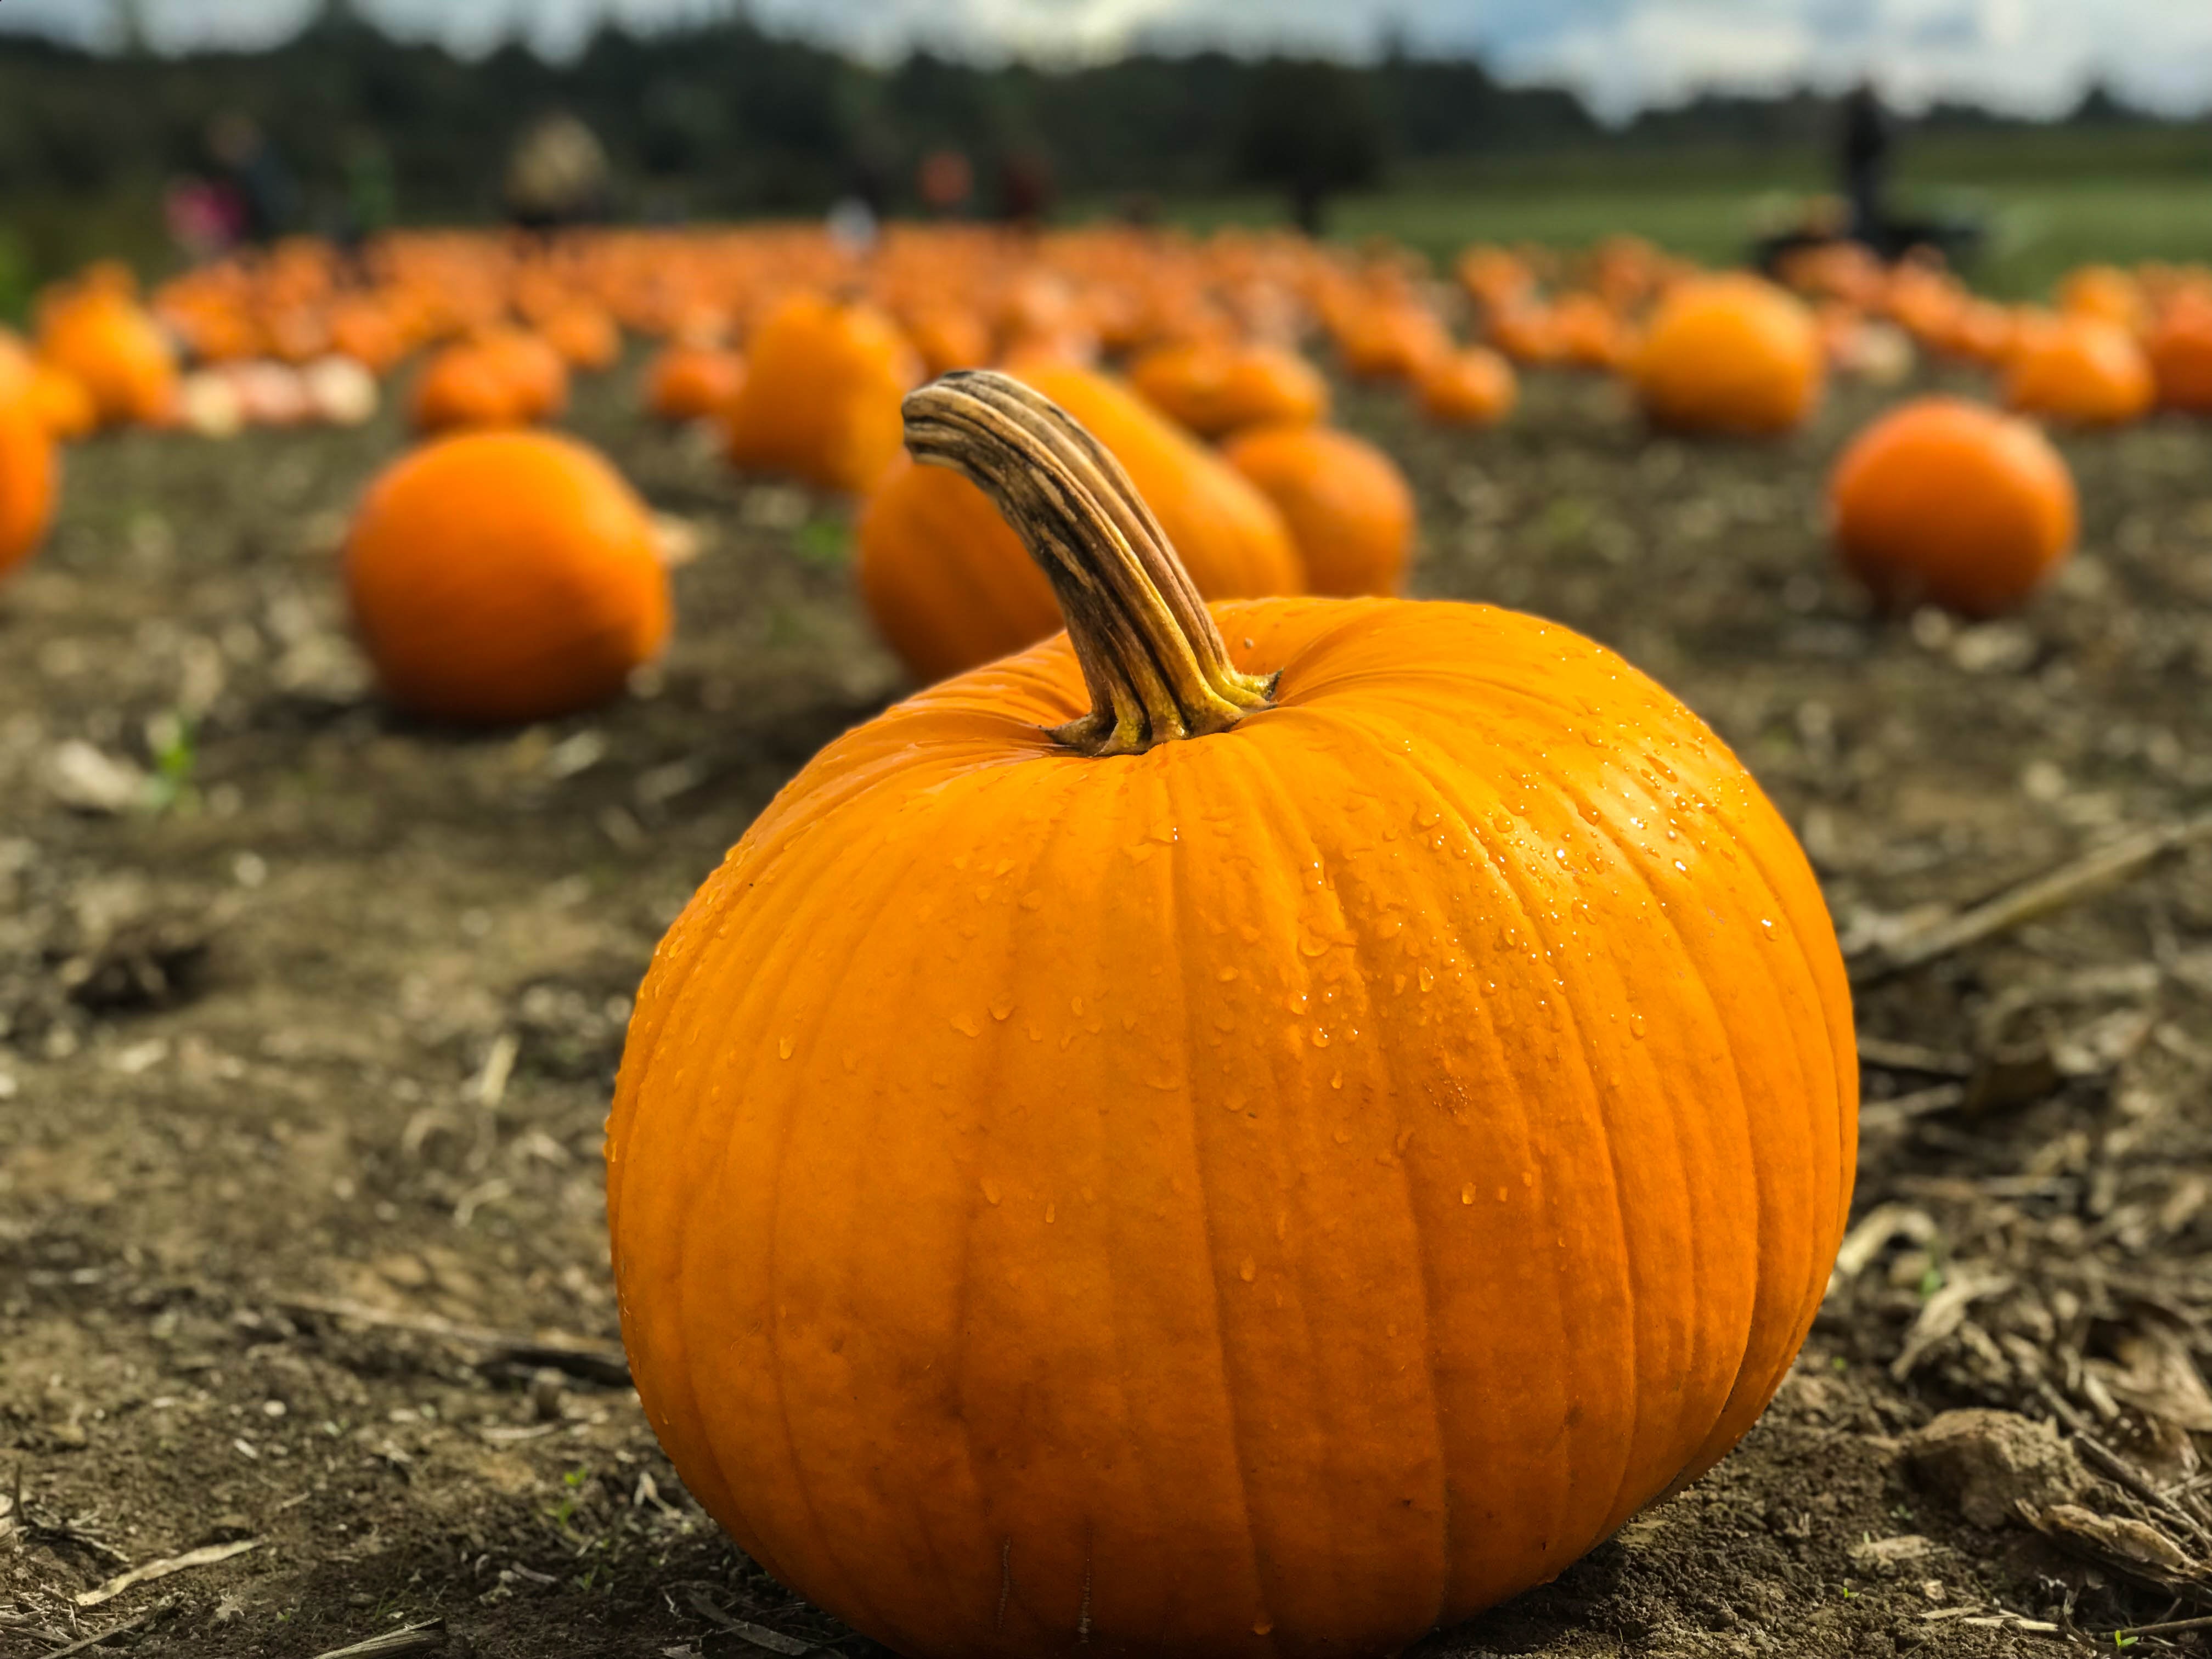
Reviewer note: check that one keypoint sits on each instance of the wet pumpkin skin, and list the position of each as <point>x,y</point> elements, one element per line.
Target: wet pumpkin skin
<point>1275,1192</point>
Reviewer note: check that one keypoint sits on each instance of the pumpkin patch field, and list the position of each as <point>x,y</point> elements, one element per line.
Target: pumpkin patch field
<point>1573,1018</point>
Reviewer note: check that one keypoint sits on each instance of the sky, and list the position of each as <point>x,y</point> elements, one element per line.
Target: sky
<point>2031,56</point>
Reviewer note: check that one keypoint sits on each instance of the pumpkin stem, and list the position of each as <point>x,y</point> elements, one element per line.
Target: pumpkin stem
<point>1154,661</point>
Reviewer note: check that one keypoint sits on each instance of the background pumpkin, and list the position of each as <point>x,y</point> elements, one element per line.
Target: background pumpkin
<point>1349,507</point>
<point>1947,501</point>
<point>116,351</point>
<point>1219,386</point>
<point>29,478</point>
<point>1730,354</point>
<point>2079,369</point>
<point>950,585</point>
<point>497,577</point>
<point>821,393</point>
<point>1473,387</point>
<point>693,382</point>
<point>1273,1192</point>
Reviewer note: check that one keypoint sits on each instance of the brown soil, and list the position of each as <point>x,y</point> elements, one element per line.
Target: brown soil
<point>333,1021</point>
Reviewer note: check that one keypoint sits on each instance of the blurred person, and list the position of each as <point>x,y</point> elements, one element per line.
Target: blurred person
<point>203,216</point>
<point>946,182</point>
<point>1025,189</point>
<point>1867,141</point>
<point>255,175</point>
<point>558,175</point>
<point>371,192</point>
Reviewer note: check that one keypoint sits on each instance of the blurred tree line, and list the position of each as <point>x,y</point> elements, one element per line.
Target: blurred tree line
<point>728,119</point>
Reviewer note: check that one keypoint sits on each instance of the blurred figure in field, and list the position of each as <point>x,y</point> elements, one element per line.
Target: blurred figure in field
<point>249,168</point>
<point>558,176</point>
<point>202,218</point>
<point>1025,189</point>
<point>372,193</point>
<point>946,182</point>
<point>1868,141</point>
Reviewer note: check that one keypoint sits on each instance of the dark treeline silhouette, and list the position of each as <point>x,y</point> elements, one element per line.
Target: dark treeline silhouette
<point>726,119</point>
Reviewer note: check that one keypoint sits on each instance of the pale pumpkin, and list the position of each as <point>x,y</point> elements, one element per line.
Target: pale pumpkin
<point>949,583</point>
<point>1258,1131</point>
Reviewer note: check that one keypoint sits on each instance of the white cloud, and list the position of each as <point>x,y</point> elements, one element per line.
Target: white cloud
<point>2028,55</point>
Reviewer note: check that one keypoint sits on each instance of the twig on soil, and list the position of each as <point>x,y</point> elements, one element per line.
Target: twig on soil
<point>1912,1057</point>
<point>595,1362</point>
<point>1877,1115</point>
<point>409,1638</point>
<point>2118,1466</point>
<point>759,1635</point>
<point>2030,901</point>
<point>113,1631</point>
<point>206,1556</point>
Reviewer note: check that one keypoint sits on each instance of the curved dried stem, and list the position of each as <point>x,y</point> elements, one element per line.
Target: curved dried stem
<point>1155,663</point>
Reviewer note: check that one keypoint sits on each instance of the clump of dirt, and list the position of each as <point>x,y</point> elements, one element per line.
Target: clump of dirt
<point>309,1017</point>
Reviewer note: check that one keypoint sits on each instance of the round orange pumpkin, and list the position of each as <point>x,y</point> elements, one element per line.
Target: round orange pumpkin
<point>116,351</point>
<point>465,386</point>
<point>2081,370</point>
<point>1730,354</point>
<point>1948,502</point>
<point>689,382</point>
<point>586,338</point>
<point>821,395</point>
<point>1349,507</point>
<point>1473,387</point>
<point>950,585</point>
<point>30,479</point>
<point>1217,386</point>
<point>1258,1131</point>
<point>2180,352</point>
<point>61,401</point>
<point>498,577</point>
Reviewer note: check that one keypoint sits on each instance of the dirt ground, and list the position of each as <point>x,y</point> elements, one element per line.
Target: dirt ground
<point>308,1018</point>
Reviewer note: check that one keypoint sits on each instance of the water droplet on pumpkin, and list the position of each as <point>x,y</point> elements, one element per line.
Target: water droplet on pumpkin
<point>1075,1005</point>
<point>1467,1194</point>
<point>966,1025</point>
<point>1226,974</point>
<point>1636,1026</point>
<point>1249,1270</point>
<point>783,1048</point>
<point>1051,1211</point>
<point>1003,1008</point>
<point>1261,1628</point>
<point>991,1189</point>
<point>1320,1038</point>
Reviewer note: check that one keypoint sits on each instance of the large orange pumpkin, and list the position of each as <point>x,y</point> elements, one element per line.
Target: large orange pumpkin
<point>821,394</point>
<point>1349,507</point>
<point>116,351</point>
<point>948,582</point>
<point>30,476</point>
<point>1260,1130</point>
<point>586,338</point>
<point>1731,353</point>
<point>1218,387</point>
<point>1949,502</point>
<point>2081,370</point>
<point>498,577</point>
